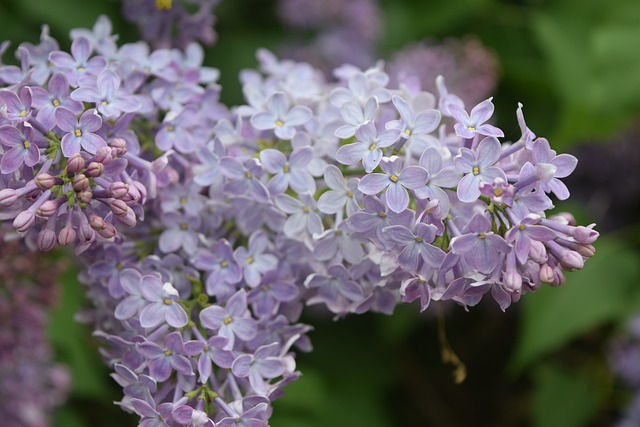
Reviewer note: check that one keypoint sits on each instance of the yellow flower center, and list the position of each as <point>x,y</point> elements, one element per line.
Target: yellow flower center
<point>285,168</point>
<point>382,215</point>
<point>227,320</point>
<point>249,259</point>
<point>279,123</point>
<point>349,194</point>
<point>306,209</point>
<point>183,200</point>
<point>163,4</point>
<point>373,147</point>
<point>419,239</point>
<point>498,192</point>
<point>394,178</point>
<point>264,287</point>
<point>249,175</point>
<point>184,227</point>
<point>55,102</point>
<point>168,352</point>
<point>26,144</point>
<point>471,128</point>
<point>482,235</point>
<point>77,133</point>
<point>224,264</point>
<point>104,103</point>
<point>23,113</point>
<point>170,128</point>
<point>167,301</point>
<point>521,227</point>
<point>119,266</point>
<point>475,170</point>
<point>407,131</point>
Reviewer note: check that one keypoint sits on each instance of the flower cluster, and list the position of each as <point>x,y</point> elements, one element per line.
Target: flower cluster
<point>30,383</point>
<point>354,195</point>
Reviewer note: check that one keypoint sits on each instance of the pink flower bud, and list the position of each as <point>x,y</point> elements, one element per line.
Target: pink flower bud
<point>572,260</point>
<point>119,189</point>
<point>118,207</point>
<point>75,164</point>
<point>24,221</point>
<point>84,197</point>
<point>513,281</point>
<point>86,233</point>
<point>103,155</point>
<point>585,235</point>
<point>94,169</point>
<point>46,239</point>
<point>546,273</point>
<point>96,222</point>
<point>129,219</point>
<point>48,208</point>
<point>108,231</point>
<point>8,197</point>
<point>67,236</point>
<point>80,182</point>
<point>44,181</point>
<point>118,147</point>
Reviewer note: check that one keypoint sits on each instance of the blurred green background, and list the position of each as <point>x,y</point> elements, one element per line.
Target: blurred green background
<point>575,65</point>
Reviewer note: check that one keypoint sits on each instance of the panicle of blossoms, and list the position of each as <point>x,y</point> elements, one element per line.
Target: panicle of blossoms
<point>470,69</point>
<point>172,23</point>
<point>31,384</point>
<point>75,160</point>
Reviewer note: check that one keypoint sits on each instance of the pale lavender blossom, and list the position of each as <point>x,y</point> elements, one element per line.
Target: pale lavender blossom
<point>23,148</point>
<point>289,173</point>
<point>340,193</point>
<point>478,168</point>
<point>355,116</point>
<point>280,117</point>
<point>564,165</point>
<point>367,147</point>
<point>411,122</point>
<point>78,64</point>
<point>234,320</point>
<point>480,247</point>
<point>210,351</point>
<point>302,215</point>
<point>164,305</point>
<point>254,260</point>
<point>109,99</point>
<point>181,232</point>
<point>415,245</point>
<point>263,365</point>
<point>16,108</point>
<point>438,177</point>
<point>56,95</point>
<point>164,360</point>
<point>470,125</point>
<point>79,133</point>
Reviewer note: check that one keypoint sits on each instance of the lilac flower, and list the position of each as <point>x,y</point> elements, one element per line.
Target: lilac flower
<point>367,147</point>
<point>415,245</point>
<point>474,124</point>
<point>499,191</point>
<point>56,95</point>
<point>410,123</point>
<point>302,214</point>
<point>164,306</point>
<point>478,168</point>
<point>210,351</point>
<point>232,320</point>
<point>24,149</point>
<point>79,132</point>
<point>522,234</point>
<point>273,290</point>
<point>207,172</point>
<point>150,417</point>
<point>416,288</point>
<point>280,117</point>
<point>187,416</point>
<point>109,99</point>
<point>336,244</point>
<point>396,180</point>
<point>181,232</point>
<point>437,178</point>
<point>480,248</point>
<point>341,193</point>
<point>244,177</point>
<point>360,88</point>
<point>564,164</point>
<point>74,67</point>
<point>355,117</point>
<point>176,131</point>
<point>336,289</point>
<point>375,217</point>
<point>14,108</point>
<point>262,364</point>
<point>134,385</point>
<point>163,361</point>
<point>134,302</point>
<point>250,416</point>
<point>222,267</point>
<point>292,173</point>
<point>253,260</point>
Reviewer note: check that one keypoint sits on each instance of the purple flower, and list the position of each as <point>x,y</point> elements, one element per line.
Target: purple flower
<point>187,416</point>
<point>134,302</point>
<point>355,117</point>
<point>150,417</point>
<point>416,288</point>
<point>163,361</point>
<point>564,164</point>
<point>524,232</point>
<point>376,217</point>
<point>181,232</point>
<point>176,131</point>
<point>273,290</point>
<point>222,267</point>
<point>280,118</point>
<point>14,108</point>
<point>410,123</point>
<point>56,95</point>
<point>164,306</point>
<point>415,245</point>
<point>336,289</point>
<point>263,364</point>
<point>480,248</point>
<point>232,320</point>
<point>395,180</point>
<point>253,260</point>
<point>292,173</point>
<point>367,147</point>
<point>478,168</point>
<point>109,99</point>
<point>80,132</point>
<point>252,415</point>
<point>79,64</point>
<point>469,126</point>
<point>340,193</point>
<point>23,148</point>
<point>244,177</point>
<point>210,351</point>
<point>336,244</point>
<point>437,178</point>
<point>302,215</point>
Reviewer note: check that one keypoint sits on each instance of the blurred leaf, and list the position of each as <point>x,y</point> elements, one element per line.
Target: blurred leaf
<point>73,344</point>
<point>563,398</point>
<point>604,291</point>
<point>65,417</point>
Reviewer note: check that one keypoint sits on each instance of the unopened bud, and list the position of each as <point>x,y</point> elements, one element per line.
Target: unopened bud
<point>129,219</point>
<point>108,231</point>
<point>94,169</point>
<point>118,147</point>
<point>118,207</point>
<point>8,197</point>
<point>119,189</point>
<point>96,222</point>
<point>80,182</point>
<point>546,273</point>
<point>513,281</point>
<point>75,164</point>
<point>24,221</point>
<point>48,208</point>
<point>67,236</point>
<point>46,239</point>
<point>103,155</point>
<point>585,234</point>
<point>45,181</point>
<point>84,197</point>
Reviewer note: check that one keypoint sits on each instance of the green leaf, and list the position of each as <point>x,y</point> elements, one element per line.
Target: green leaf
<point>65,417</point>
<point>563,398</point>
<point>73,344</point>
<point>605,290</point>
